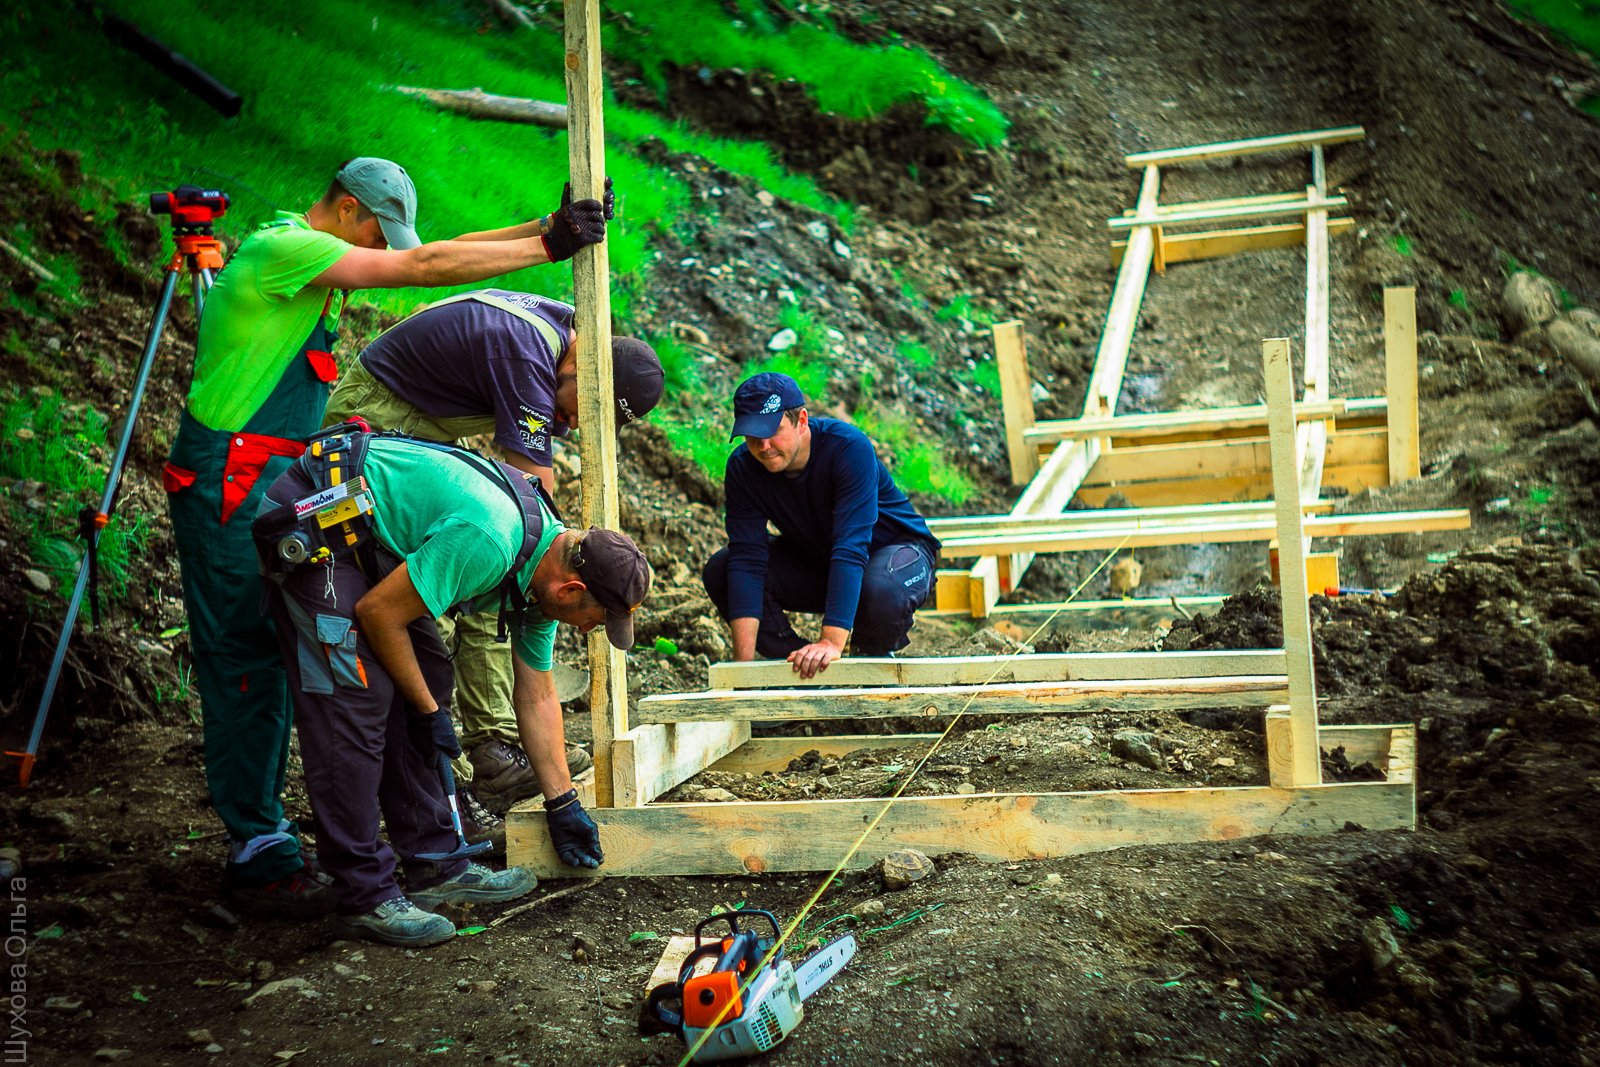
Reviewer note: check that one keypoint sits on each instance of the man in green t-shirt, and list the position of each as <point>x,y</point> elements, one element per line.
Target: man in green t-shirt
<point>372,681</point>
<point>262,376</point>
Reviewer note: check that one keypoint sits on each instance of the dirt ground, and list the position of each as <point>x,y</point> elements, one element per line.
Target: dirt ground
<point>1475,939</point>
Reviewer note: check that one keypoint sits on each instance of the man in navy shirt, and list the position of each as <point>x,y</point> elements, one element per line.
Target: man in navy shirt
<point>850,546</point>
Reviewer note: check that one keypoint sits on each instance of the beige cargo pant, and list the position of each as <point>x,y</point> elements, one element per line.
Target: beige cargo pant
<point>482,665</point>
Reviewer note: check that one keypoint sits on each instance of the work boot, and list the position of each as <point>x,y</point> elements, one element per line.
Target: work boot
<point>300,895</point>
<point>578,760</point>
<point>501,775</point>
<point>478,822</point>
<point>477,885</point>
<point>400,923</point>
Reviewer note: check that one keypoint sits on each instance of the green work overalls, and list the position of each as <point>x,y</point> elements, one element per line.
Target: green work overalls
<point>214,481</point>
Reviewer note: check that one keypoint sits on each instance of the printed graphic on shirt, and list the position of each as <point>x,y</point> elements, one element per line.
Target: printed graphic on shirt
<point>535,430</point>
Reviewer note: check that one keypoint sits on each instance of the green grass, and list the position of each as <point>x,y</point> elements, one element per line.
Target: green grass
<point>312,76</point>
<point>1400,243</point>
<point>919,464</point>
<point>704,437</point>
<point>53,447</point>
<point>1576,20</point>
<point>811,331</point>
<point>987,374</point>
<point>918,356</point>
<point>810,375</point>
<point>63,287</point>
<point>962,308</point>
<point>854,80</point>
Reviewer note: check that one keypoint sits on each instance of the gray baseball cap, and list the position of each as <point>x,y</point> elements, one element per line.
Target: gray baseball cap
<point>384,189</point>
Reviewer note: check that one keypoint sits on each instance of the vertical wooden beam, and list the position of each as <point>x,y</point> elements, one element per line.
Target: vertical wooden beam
<point>608,685</point>
<point>1303,762</point>
<point>1311,438</point>
<point>1400,361</point>
<point>1016,398</point>
<point>1052,488</point>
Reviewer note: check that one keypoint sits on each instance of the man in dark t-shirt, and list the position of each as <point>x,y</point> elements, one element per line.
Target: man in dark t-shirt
<point>503,363</point>
<point>850,546</point>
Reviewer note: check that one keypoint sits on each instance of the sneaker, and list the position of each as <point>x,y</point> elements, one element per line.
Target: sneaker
<point>477,885</point>
<point>400,923</point>
<point>300,895</point>
<point>478,822</point>
<point>314,868</point>
<point>501,775</point>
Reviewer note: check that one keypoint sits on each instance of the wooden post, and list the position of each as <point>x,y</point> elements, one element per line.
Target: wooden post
<point>1303,764</point>
<point>1400,361</point>
<point>1016,398</point>
<point>608,686</point>
<point>1311,439</point>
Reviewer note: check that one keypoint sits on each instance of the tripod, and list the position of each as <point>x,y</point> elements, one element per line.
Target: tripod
<point>193,210</point>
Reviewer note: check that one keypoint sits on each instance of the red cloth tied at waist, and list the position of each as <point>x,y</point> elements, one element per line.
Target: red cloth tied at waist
<point>248,454</point>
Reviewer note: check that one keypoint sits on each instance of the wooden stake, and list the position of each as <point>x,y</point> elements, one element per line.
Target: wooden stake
<point>1182,247</point>
<point>608,685</point>
<point>1303,766</point>
<point>1016,398</point>
<point>1312,438</point>
<point>1400,360</point>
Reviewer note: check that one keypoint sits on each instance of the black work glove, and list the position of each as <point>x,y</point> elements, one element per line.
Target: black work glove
<point>608,199</point>
<point>577,223</point>
<point>440,731</point>
<point>576,837</point>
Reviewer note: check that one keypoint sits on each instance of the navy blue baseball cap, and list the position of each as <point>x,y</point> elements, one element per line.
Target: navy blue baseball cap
<point>760,401</point>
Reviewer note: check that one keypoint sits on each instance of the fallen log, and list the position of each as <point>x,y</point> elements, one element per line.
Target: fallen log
<point>478,104</point>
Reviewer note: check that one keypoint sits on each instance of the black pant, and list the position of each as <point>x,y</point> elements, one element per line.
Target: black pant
<point>897,580</point>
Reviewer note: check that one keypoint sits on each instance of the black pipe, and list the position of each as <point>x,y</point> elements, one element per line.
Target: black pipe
<point>173,65</point>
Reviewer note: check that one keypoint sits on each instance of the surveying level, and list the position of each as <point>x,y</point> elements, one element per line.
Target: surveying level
<point>193,210</point>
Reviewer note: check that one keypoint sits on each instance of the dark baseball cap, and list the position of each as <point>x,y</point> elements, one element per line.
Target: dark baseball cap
<point>617,575</point>
<point>636,378</point>
<point>386,190</point>
<point>761,400</point>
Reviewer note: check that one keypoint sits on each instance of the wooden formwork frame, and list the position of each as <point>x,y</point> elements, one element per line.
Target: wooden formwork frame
<point>678,735</point>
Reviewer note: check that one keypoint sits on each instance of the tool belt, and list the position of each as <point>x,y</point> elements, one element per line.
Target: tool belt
<point>335,521</point>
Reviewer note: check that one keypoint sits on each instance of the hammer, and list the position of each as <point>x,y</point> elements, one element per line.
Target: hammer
<point>462,850</point>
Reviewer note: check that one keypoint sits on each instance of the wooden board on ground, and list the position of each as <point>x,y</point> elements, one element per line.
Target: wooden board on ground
<point>743,838</point>
<point>671,962</point>
<point>583,783</point>
<point>1240,455</point>
<point>1170,422</point>
<point>648,760</point>
<point>762,754</point>
<point>981,670</point>
<point>1033,698</point>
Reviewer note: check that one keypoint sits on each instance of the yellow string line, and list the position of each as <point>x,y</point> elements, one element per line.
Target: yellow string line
<point>788,932</point>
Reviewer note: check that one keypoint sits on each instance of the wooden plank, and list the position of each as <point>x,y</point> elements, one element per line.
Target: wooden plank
<point>1238,455</point>
<point>1304,767</point>
<point>1255,486</point>
<point>1322,572</point>
<point>1312,439</point>
<point>774,836</point>
<point>1206,205</point>
<point>1244,211</point>
<point>1251,416</point>
<point>1027,698</point>
<point>1400,365</point>
<point>583,783</point>
<point>671,962</point>
<point>1175,532</point>
<point>966,525</point>
<point>1079,614</point>
<point>608,684</point>
<point>1058,479</point>
<point>1361,744</point>
<point>762,754</point>
<point>648,760</point>
<point>952,591</point>
<point>1016,398</point>
<point>979,670</point>
<point>1226,149</point>
<point>1214,244</point>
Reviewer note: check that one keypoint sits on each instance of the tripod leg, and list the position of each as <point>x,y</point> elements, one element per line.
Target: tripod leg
<point>113,476</point>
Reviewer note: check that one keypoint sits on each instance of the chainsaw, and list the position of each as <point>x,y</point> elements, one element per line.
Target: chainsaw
<point>757,1019</point>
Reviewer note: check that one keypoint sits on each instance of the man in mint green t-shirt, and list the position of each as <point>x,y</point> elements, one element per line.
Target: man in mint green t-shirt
<point>263,372</point>
<point>372,681</point>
